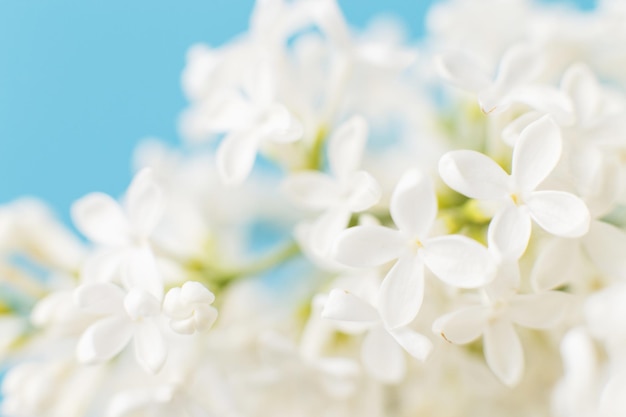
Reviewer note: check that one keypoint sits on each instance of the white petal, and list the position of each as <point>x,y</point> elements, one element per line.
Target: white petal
<point>104,339</point>
<point>364,191</point>
<point>536,153</point>
<point>458,261</point>
<point>415,344</point>
<point>140,304</point>
<point>312,189</point>
<point>204,317</point>
<point>401,292</point>
<point>382,357</point>
<point>236,155</point>
<point>512,131</point>
<point>144,203</point>
<point>344,306</point>
<point>100,298</point>
<point>557,263</point>
<point>103,265</point>
<point>520,64</point>
<point>365,246</point>
<point>413,204</point>
<point>195,292</point>
<point>462,326</point>
<point>150,350</point>
<point>509,232</point>
<point>140,272</point>
<point>503,352</point>
<point>463,70</point>
<point>474,174</point>
<point>539,311</point>
<point>560,213</point>
<point>346,146</point>
<point>547,100</point>
<point>101,219</point>
<point>324,231</point>
<point>606,246</point>
<point>279,125</point>
<point>583,88</point>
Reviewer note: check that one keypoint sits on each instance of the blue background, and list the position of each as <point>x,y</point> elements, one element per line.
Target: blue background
<point>82,81</point>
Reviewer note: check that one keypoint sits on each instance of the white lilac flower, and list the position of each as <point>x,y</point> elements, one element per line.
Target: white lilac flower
<point>494,315</point>
<point>189,308</point>
<point>345,190</point>
<point>122,315</point>
<point>514,81</point>
<point>456,260</point>
<point>535,155</point>
<point>121,231</point>
<point>382,349</point>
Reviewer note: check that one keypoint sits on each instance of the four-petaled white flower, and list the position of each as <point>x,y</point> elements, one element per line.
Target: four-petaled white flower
<point>132,312</point>
<point>189,308</point>
<point>535,155</point>
<point>121,231</point>
<point>456,260</point>
<point>344,191</point>
<point>382,347</point>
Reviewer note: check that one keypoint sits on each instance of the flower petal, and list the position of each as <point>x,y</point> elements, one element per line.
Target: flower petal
<point>413,204</point>
<point>536,153</point>
<point>512,131</point>
<point>144,203</point>
<point>104,339</point>
<point>382,357</point>
<point>150,349</point>
<point>606,246</point>
<point>103,265</point>
<point>364,191</point>
<point>312,189</point>
<point>326,228</point>
<point>102,298</point>
<point>463,70</point>
<point>560,213</point>
<point>415,344</point>
<point>519,65</point>
<point>366,246</point>
<point>346,146</point>
<point>509,232</point>
<point>458,261</point>
<point>139,271</point>
<point>539,311</point>
<point>101,219</point>
<point>474,174</point>
<point>236,155</point>
<point>558,262</point>
<point>344,306</point>
<point>503,352</point>
<point>401,292</point>
<point>581,85</point>
<point>462,326</point>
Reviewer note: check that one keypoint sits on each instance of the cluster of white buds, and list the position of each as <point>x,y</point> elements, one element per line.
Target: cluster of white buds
<point>383,229</point>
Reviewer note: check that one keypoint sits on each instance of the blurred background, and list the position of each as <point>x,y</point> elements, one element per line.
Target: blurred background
<point>82,82</point>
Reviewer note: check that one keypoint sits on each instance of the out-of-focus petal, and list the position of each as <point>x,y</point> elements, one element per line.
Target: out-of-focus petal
<point>344,306</point>
<point>144,203</point>
<point>382,357</point>
<point>102,298</point>
<point>312,189</point>
<point>606,246</point>
<point>417,345</point>
<point>346,146</point>
<point>503,352</point>
<point>104,339</point>
<point>150,349</point>
<point>101,219</point>
<point>364,191</point>
<point>236,154</point>
<point>539,311</point>
<point>463,70</point>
